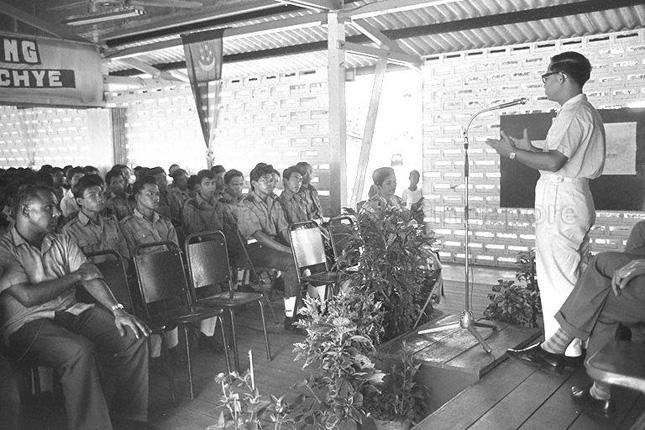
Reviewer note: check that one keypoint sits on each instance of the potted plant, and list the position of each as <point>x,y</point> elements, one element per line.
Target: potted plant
<point>517,301</point>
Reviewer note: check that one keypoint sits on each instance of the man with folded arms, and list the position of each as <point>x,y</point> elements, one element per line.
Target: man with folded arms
<point>43,324</point>
<point>610,292</point>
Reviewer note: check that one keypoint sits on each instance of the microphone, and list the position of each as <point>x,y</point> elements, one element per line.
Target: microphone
<point>521,101</point>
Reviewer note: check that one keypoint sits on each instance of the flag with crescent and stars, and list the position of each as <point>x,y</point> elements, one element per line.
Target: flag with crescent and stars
<point>203,52</point>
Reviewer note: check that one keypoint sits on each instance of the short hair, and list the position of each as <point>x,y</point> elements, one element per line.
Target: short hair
<point>286,175</point>
<point>145,180</point>
<point>574,64</point>
<point>193,182</point>
<point>177,172</point>
<point>381,174</point>
<point>86,182</point>
<point>73,171</point>
<point>114,173</point>
<point>217,169</point>
<point>230,174</point>
<point>303,166</point>
<point>173,168</point>
<point>89,170</point>
<point>260,170</point>
<point>208,174</point>
<point>157,170</point>
<point>27,193</point>
<point>415,172</point>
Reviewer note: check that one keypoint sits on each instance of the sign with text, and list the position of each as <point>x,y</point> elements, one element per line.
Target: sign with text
<point>40,71</point>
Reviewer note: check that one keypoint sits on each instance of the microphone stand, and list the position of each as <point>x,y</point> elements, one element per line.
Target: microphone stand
<point>466,319</point>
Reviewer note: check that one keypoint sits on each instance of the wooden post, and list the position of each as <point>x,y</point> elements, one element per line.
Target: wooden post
<point>337,113</point>
<point>368,133</point>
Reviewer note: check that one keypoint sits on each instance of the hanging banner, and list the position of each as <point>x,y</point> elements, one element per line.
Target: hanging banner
<point>203,52</point>
<point>39,71</point>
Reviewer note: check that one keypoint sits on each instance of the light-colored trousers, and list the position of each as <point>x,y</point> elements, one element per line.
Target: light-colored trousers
<point>564,214</point>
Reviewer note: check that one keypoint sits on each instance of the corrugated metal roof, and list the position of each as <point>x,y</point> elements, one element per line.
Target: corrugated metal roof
<point>413,22</point>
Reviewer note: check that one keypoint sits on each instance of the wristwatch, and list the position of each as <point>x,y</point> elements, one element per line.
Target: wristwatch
<point>116,307</point>
<point>512,155</point>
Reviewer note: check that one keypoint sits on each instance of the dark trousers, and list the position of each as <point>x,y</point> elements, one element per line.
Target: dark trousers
<point>11,382</point>
<point>593,311</point>
<point>72,345</point>
<point>282,261</point>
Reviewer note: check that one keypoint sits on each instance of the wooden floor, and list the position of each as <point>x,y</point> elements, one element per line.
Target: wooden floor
<point>510,396</point>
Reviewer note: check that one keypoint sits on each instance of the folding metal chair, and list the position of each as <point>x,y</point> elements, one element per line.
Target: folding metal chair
<point>308,250</point>
<point>342,231</point>
<point>166,297</point>
<point>113,269</point>
<point>208,263</point>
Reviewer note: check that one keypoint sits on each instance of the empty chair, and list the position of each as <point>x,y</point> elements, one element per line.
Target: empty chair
<point>308,248</point>
<point>208,263</point>
<point>112,266</point>
<point>166,297</point>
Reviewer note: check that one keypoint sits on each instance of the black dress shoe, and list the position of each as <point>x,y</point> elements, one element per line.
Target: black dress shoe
<point>537,357</point>
<point>574,362</point>
<point>605,409</point>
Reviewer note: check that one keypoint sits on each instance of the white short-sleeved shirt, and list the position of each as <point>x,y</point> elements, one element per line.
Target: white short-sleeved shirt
<point>579,134</point>
<point>23,263</point>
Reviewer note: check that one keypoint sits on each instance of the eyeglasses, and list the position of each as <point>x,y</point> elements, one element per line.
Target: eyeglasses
<point>546,75</point>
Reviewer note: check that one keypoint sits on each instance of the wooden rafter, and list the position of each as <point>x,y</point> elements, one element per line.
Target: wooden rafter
<point>56,30</point>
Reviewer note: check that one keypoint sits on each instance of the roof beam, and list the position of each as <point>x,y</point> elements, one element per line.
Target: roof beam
<point>147,68</point>
<point>376,36</point>
<point>392,57</point>
<point>391,6</point>
<point>59,31</point>
<point>317,5</point>
<point>115,83</point>
<point>229,33</point>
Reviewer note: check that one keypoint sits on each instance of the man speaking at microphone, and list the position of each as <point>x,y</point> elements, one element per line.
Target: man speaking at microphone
<point>572,154</point>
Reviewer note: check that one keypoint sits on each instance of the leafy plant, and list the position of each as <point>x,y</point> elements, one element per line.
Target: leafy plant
<point>247,409</point>
<point>340,351</point>
<point>517,301</point>
<point>400,398</point>
<point>396,264</point>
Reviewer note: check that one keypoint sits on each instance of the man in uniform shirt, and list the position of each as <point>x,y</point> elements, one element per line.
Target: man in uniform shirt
<point>295,208</point>
<point>43,324</point>
<point>309,192</point>
<point>205,212</point>
<point>262,223</point>
<point>573,153</point>
<point>68,205</point>
<point>177,196</point>
<point>116,199</point>
<point>233,190</point>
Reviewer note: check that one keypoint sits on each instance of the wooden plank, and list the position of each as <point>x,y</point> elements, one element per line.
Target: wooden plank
<point>635,412</point>
<point>505,337</point>
<point>624,399</point>
<point>557,411</point>
<point>416,342</point>
<point>450,347</point>
<point>466,408</point>
<point>513,409</point>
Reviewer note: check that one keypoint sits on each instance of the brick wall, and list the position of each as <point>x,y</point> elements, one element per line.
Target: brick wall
<point>457,85</point>
<point>279,119</point>
<point>54,136</point>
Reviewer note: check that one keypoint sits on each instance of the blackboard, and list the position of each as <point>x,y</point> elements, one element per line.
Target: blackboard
<point>610,192</point>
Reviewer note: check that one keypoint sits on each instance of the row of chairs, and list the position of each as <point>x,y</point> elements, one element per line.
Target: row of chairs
<point>166,298</point>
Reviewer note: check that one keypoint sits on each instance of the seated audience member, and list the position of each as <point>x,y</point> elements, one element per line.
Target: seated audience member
<point>192,186</point>
<point>162,182</point>
<point>90,230</point>
<point>205,212</point>
<point>219,171</point>
<point>385,182</point>
<point>177,196</point>
<point>611,291</point>
<point>57,175</point>
<point>293,204</point>
<point>68,205</point>
<point>44,325</point>
<point>146,225</point>
<point>91,170</point>
<point>413,194</point>
<point>233,189</point>
<point>309,192</point>
<point>126,173</point>
<point>172,168</point>
<point>261,222</point>
<point>117,199</point>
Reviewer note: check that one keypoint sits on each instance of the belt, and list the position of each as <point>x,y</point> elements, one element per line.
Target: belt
<point>558,178</point>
